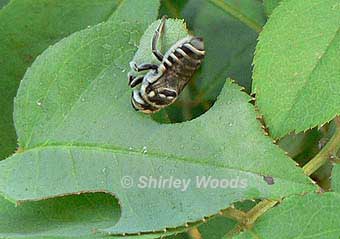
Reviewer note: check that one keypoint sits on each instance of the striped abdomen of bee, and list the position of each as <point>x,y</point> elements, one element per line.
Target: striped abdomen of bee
<point>163,83</point>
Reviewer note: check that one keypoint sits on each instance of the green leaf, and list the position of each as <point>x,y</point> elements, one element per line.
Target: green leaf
<point>41,23</point>
<point>336,178</point>
<point>310,216</point>
<point>79,133</point>
<point>270,5</point>
<point>169,153</point>
<point>297,68</point>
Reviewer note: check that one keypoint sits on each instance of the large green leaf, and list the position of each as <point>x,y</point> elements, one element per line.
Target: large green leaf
<point>297,68</point>
<point>117,148</point>
<point>27,28</point>
<point>80,134</point>
<point>311,216</point>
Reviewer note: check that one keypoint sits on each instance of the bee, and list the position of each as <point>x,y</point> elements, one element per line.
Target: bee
<point>163,83</point>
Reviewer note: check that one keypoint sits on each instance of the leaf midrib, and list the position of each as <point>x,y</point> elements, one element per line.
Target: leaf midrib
<point>153,155</point>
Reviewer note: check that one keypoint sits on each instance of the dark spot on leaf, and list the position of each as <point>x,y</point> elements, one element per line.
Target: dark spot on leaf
<point>269,180</point>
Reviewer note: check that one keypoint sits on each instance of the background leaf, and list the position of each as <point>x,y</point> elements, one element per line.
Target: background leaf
<point>229,44</point>
<point>172,8</point>
<point>270,5</point>
<point>216,228</point>
<point>3,3</point>
<point>27,28</point>
<point>75,115</point>
<point>310,216</point>
<point>297,69</point>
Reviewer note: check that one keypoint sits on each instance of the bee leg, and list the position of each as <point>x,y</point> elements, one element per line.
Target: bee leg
<point>155,39</point>
<point>143,67</point>
<point>133,80</point>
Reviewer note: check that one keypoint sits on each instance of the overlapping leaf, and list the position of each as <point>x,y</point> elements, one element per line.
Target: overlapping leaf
<point>311,216</point>
<point>297,68</point>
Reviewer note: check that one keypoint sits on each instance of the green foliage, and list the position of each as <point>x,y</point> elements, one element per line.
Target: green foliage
<point>297,70</point>
<point>27,28</point>
<point>83,149</point>
<point>311,216</point>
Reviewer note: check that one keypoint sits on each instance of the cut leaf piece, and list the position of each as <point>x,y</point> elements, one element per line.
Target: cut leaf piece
<point>73,114</point>
<point>41,24</point>
<point>311,216</point>
<point>297,68</point>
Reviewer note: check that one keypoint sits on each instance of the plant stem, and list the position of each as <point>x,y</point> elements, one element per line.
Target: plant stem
<point>246,220</point>
<point>329,150</point>
<point>237,14</point>
<point>258,210</point>
<point>235,214</point>
<point>194,233</point>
